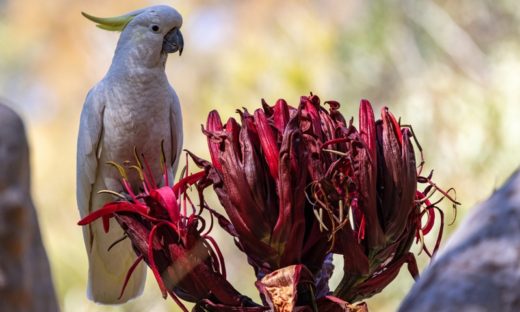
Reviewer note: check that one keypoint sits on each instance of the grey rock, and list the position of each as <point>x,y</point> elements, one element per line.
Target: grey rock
<point>479,269</point>
<point>25,276</point>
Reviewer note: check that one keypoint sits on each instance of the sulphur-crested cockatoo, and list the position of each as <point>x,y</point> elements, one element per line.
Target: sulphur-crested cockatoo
<point>132,108</point>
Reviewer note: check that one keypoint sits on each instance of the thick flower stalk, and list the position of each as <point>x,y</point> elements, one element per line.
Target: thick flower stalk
<point>169,234</point>
<point>300,183</point>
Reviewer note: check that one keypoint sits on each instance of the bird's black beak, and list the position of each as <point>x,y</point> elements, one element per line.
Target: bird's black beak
<point>173,42</point>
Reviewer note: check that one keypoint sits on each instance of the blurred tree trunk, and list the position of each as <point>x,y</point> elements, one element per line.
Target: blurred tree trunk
<point>479,269</point>
<point>25,277</point>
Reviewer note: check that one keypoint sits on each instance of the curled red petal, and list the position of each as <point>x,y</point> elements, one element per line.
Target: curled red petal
<point>129,274</point>
<point>109,209</point>
<point>184,183</point>
<point>439,235</point>
<point>310,118</point>
<point>166,197</point>
<point>151,260</point>
<point>430,221</point>
<point>334,105</point>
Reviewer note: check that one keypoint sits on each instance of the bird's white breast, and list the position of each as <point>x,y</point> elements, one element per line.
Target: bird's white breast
<point>136,116</point>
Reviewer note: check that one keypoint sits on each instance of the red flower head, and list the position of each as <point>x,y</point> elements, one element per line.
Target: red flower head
<point>169,234</point>
<point>374,181</point>
<point>298,183</point>
<point>261,176</point>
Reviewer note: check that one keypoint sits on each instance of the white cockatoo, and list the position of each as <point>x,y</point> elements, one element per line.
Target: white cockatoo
<point>132,108</point>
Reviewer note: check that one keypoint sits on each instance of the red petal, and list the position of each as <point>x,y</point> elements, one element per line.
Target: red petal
<point>399,179</point>
<point>214,124</point>
<point>367,178</point>
<point>148,173</point>
<point>367,129</point>
<point>109,209</point>
<point>361,230</point>
<point>129,274</point>
<point>289,229</point>
<point>233,131</point>
<point>166,197</point>
<point>151,260</point>
<point>390,121</point>
<point>281,115</point>
<point>310,117</point>
<point>268,142</point>
<point>334,105</point>
<point>430,221</point>
<point>185,182</point>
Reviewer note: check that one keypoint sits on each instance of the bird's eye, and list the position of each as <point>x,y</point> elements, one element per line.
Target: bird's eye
<point>155,28</point>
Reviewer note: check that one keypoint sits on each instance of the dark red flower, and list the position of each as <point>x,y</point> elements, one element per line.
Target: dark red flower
<point>169,234</point>
<point>298,183</point>
<point>375,183</point>
<point>261,176</point>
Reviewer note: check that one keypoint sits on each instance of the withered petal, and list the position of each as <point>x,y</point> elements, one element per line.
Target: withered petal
<point>283,287</point>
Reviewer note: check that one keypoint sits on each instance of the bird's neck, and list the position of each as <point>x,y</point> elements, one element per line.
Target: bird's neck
<point>133,57</point>
<point>132,71</point>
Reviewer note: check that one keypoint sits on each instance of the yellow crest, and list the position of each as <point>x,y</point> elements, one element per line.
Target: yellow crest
<point>117,23</point>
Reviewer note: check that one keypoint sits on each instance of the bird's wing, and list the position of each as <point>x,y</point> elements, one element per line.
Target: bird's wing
<point>107,268</point>
<point>90,132</point>
<point>176,131</point>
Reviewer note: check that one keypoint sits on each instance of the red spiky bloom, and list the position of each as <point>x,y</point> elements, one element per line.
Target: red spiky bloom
<point>169,234</point>
<point>298,183</point>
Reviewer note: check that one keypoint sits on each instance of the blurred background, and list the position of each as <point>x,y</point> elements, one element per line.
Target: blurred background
<point>449,68</point>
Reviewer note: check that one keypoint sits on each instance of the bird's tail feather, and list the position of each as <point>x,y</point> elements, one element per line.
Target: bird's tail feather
<point>108,268</point>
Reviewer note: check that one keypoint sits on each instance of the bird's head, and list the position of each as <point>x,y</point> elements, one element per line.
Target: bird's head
<point>154,30</point>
